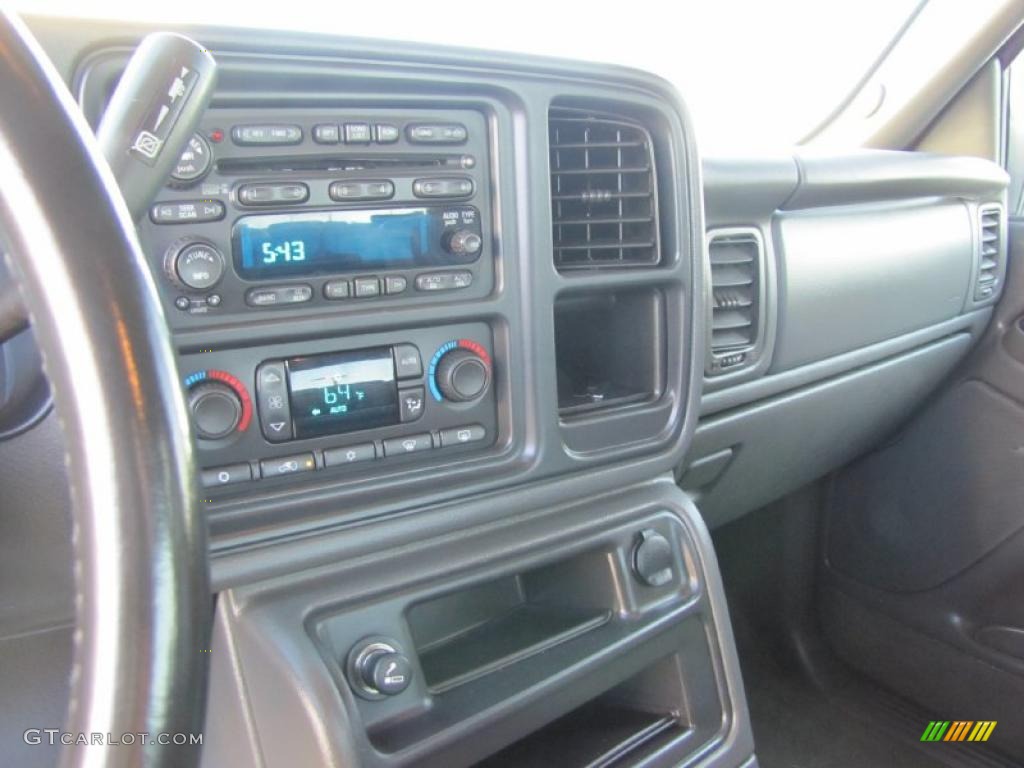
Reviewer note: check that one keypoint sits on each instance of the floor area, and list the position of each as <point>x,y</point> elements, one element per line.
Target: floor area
<point>797,725</point>
<point>807,708</point>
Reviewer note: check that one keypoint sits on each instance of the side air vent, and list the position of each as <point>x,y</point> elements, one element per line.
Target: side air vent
<point>990,251</point>
<point>603,191</point>
<point>736,257</point>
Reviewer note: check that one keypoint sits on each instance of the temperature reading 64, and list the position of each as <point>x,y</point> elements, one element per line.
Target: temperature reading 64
<point>289,250</point>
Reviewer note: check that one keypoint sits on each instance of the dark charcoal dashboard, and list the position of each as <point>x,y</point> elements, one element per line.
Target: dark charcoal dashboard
<point>455,331</point>
<point>331,213</point>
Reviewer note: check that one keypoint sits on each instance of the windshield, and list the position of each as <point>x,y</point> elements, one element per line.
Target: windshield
<point>756,75</point>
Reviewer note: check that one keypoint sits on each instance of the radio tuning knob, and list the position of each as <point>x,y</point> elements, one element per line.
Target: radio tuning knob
<point>462,375</point>
<point>464,242</point>
<point>216,409</point>
<point>194,264</point>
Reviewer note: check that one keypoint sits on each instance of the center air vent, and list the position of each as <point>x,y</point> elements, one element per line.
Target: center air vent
<point>603,191</point>
<point>736,257</point>
<point>990,251</point>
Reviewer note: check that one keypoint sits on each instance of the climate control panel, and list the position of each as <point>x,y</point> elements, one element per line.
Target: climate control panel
<point>355,405</point>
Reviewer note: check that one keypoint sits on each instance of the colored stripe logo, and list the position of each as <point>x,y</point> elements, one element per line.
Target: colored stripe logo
<point>958,730</point>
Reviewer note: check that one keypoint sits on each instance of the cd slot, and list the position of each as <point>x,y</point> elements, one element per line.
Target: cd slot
<point>243,166</point>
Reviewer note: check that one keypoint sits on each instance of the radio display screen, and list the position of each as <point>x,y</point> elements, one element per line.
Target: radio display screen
<point>323,242</point>
<point>343,392</point>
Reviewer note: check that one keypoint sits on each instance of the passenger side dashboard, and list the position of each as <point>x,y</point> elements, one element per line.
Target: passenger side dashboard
<point>874,273</point>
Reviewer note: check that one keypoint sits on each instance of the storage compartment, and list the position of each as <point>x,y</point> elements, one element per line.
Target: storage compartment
<point>609,348</point>
<point>562,645</point>
<point>464,635</point>
<point>617,728</point>
<point>858,275</point>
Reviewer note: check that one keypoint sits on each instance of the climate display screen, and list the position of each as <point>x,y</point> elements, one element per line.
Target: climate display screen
<point>343,392</point>
<point>323,242</point>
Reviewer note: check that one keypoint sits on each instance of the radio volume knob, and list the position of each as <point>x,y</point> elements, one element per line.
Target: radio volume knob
<point>216,409</point>
<point>194,264</point>
<point>462,375</point>
<point>464,242</point>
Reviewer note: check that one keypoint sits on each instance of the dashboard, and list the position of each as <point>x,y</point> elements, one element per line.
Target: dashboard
<point>477,348</point>
<point>355,266</point>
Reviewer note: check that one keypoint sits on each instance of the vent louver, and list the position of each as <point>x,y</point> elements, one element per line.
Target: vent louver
<point>736,257</point>
<point>990,249</point>
<point>604,201</point>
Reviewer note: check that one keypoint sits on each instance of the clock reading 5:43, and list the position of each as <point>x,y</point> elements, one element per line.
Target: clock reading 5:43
<point>290,250</point>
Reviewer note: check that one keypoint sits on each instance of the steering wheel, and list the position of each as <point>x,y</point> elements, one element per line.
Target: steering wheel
<point>142,597</point>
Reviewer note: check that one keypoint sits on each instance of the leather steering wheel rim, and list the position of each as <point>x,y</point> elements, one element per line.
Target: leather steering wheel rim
<point>142,598</point>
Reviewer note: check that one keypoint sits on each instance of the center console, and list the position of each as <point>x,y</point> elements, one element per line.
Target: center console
<point>276,214</point>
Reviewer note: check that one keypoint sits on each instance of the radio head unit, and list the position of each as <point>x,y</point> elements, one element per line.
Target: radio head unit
<point>293,210</point>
